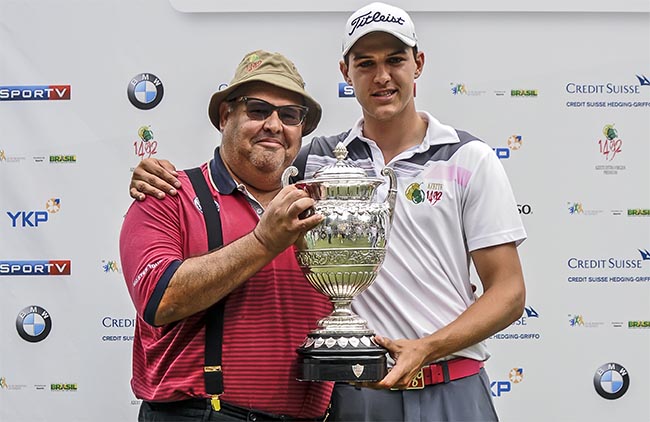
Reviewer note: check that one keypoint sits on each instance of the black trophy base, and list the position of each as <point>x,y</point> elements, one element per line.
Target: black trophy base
<point>343,360</point>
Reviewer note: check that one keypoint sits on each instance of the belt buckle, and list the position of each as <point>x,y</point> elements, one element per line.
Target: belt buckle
<point>417,383</point>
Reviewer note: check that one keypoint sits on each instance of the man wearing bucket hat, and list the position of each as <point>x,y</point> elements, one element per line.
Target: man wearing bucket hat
<point>216,331</point>
<point>422,302</point>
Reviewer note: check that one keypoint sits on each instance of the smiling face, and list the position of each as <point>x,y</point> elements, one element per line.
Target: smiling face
<point>382,71</point>
<point>257,151</point>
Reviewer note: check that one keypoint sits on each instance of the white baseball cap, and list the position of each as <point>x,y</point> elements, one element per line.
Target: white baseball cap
<point>379,17</point>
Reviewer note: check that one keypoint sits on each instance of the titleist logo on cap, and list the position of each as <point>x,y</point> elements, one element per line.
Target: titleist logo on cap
<point>371,17</point>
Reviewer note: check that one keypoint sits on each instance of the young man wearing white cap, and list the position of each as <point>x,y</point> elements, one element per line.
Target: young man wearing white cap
<point>455,207</point>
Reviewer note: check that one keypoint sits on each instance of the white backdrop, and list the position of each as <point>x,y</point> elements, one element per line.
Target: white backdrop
<point>559,89</point>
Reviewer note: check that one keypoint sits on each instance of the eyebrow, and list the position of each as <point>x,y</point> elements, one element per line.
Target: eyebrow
<point>364,56</point>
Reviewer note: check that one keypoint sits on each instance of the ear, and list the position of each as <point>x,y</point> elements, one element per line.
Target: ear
<point>419,62</point>
<point>224,113</point>
<point>344,71</point>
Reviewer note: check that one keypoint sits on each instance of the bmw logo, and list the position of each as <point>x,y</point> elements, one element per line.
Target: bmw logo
<point>145,91</point>
<point>33,324</point>
<point>611,381</point>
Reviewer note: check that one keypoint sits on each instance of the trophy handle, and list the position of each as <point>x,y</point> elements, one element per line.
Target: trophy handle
<point>392,190</point>
<point>287,173</point>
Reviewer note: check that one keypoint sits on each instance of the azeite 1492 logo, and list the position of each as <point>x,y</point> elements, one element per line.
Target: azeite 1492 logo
<point>423,191</point>
<point>611,145</point>
<point>147,145</point>
<point>145,91</point>
<point>45,267</point>
<point>611,381</point>
<point>34,92</point>
<point>33,324</point>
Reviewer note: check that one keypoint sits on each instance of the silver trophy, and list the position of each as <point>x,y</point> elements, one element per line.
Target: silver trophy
<point>340,257</point>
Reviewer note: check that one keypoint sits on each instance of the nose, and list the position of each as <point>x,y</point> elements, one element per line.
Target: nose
<point>382,76</point>
<point>273,122</point>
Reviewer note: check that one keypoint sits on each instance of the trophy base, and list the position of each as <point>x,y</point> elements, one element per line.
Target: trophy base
<point>341,357</point>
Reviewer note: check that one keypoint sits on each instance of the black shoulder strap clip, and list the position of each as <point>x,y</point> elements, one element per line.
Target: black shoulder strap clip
<point>212,371</point>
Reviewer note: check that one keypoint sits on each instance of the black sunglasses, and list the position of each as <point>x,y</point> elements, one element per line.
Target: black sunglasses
<point>256,109</point>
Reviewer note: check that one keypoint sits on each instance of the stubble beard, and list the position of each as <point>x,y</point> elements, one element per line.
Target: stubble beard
<point>268,161</point>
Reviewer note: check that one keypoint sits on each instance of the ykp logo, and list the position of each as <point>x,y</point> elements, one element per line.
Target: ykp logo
<point>27,218</point>
<point>35,217</point>
<point>515,376</point>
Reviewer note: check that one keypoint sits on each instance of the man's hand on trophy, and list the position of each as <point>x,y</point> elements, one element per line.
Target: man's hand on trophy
<point>409,356</point>
<point>155,178</point>
<point>281,224</point>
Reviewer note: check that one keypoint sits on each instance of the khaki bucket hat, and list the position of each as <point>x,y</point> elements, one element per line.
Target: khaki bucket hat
<point>273,69</point>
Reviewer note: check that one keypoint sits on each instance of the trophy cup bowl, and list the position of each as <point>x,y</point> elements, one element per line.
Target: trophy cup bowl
<point>340,257</point>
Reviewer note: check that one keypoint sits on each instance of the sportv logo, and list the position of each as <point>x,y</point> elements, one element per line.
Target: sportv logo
<point>45,267</point>
<point>34,92</point>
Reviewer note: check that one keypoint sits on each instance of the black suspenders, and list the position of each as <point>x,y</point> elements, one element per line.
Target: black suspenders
<point>212,371</point>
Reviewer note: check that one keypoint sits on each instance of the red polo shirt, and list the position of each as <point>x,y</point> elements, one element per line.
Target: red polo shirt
<point>266,318</point>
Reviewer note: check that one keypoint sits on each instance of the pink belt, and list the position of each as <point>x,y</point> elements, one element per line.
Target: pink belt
<point>443,372</point>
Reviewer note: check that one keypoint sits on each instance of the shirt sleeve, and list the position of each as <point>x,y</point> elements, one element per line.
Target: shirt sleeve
<point>490,214</point>
<point>150,251</point>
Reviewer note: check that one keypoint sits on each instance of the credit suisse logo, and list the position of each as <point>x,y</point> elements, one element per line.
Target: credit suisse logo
<point>614,94</point>
<point>121,329</point>
<point>607,87</point>
<point>609,262</point>
<point>34,92</point>
<point>608,267</point>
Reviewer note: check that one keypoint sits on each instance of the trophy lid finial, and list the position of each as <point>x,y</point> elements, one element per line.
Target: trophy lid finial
<point>340,152</point>
<point>341,169</point>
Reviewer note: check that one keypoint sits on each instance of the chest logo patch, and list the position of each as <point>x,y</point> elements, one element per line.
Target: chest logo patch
<point>420,192</point>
